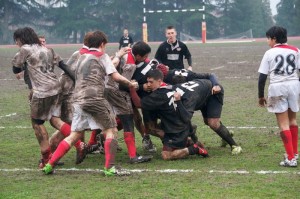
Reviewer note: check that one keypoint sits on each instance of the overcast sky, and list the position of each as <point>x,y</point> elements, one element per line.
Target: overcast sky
<point>273,4</point>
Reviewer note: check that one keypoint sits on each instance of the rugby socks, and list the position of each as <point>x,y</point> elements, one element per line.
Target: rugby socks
<point>110,147</point>
<point>193,150</point>
<point>65,129</point>
<point>294,132</point>
<point>61,150</point>
<point>93,139</point>
<point>130,143</point>
<point>286,137</point>
<point>223,132</point>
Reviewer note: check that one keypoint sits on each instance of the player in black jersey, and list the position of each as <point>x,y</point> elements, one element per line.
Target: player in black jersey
<point>172,52</point>
<point>194,95</point>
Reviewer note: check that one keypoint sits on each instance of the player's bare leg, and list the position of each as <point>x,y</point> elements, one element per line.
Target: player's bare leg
<point>43,140</point>
<point>174,155</point>
<point>168,154</point>
<point>138,122</point>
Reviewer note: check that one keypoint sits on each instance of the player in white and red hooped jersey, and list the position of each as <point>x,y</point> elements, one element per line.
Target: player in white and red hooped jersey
<point>282,63</point>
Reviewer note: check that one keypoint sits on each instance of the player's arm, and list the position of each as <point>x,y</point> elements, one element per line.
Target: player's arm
<point>184,115</point>
<point>130,41</point>
<point>19,60</point>
<point>118,56</point>
<point>136,100</point>
<point>159,54</point>
<point>189,60</point>
<point>122,80</point>
<point>261,87</point>
<point>67,69</point>
<point>188,56</point>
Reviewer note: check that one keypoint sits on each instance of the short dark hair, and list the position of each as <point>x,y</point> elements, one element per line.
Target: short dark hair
<point>155,74</point>
<point>278,33</point>
<point>97,39</point>
<point>178,79</point>
<point>170,27</point>
<point>26,36</point>
<point>86,38</point>
<point>141,48</point>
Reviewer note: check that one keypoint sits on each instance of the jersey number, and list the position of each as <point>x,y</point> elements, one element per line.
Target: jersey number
<point>285,65</point>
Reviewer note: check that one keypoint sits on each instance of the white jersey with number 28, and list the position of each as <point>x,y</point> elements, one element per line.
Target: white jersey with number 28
<point>281,62</point>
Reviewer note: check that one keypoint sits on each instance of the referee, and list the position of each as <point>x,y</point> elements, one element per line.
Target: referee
<point>126,40</point>
<point>172,52</point>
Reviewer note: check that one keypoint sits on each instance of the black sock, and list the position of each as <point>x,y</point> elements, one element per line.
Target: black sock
<point>223,132</point>
<point>193,150</point>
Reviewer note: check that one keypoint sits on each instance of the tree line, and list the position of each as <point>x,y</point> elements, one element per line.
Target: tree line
<point>66,21</point>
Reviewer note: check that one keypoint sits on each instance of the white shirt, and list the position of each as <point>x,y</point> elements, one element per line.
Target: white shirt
<point>281,62</point>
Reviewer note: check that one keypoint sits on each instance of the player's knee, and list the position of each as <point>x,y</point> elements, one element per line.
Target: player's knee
<point>56,122</point>
<point>213,123</point>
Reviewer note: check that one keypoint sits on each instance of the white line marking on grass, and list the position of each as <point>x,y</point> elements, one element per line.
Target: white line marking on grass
<point>235,77</point>
<point>8,115</point>
<point>7,79</point>
<point>252,127</point>
<point>217,68</point>
<point>237,62</point>
<point>244,172</point>
<point>229,127</point>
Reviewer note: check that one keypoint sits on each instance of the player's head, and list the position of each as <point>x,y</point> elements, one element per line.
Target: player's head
<point>278,34</point>
<point>171,34</point>
<point>125,32</point>
<point>42,39</point>
<point>97,39</point>
<point>141,51</point>
<point>26,36</point>
<point>86,38</point>
<point>178,79</point>
<point>154,79</point>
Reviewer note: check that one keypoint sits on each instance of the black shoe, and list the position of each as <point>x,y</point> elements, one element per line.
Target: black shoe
<point>81,153</point>
<point>92,148</point>
<point>140,159</point>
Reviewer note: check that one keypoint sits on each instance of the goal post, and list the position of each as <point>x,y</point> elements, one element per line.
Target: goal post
<point>145,28</point>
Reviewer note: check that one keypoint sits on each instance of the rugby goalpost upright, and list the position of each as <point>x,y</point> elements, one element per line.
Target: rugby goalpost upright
<point>145,28</point>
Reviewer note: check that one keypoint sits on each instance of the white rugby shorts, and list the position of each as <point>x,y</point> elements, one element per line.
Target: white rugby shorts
<point>283,95</point>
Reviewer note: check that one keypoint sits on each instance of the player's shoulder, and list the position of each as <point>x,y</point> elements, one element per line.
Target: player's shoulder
<point>181,43</point>
<point>164,43</point>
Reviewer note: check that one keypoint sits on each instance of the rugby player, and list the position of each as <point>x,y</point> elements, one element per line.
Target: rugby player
<point>282,63</point>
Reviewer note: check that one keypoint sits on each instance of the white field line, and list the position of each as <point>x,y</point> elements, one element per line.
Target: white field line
<point>244,172</point>
<point>216,68</point>
<point>236,77</point>
<point>229,127</point>
<point>8,115</point>
<point>7,79</point>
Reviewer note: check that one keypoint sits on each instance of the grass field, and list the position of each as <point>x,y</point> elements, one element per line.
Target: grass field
<point>253,174</point>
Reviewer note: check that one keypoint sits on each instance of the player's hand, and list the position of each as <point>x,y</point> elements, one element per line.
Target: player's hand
<point>134,84</point>
<point>215,90</point>
<point>190,68</point>
<point>262,102</point>
<point>123,51</point>
<point>19,75</point>
<point>177,96</point>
